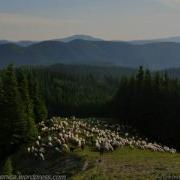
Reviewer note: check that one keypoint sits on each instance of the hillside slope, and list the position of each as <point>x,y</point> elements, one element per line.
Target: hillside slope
<point>129,164</point>
<point>106,53</point>
<point>70,146</point>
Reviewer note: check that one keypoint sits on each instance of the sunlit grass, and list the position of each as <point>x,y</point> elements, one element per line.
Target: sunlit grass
<point>129,163</point>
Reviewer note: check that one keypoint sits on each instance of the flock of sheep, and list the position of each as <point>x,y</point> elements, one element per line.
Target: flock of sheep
<point>69,134</point>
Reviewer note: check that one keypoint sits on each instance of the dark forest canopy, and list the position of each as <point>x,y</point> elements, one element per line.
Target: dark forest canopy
<point>151,104</point>
<point>21,107</point>
<point>69,90</point>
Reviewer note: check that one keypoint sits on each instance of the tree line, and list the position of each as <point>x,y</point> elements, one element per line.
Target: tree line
<point>150,102</point>
<point>21,107</point>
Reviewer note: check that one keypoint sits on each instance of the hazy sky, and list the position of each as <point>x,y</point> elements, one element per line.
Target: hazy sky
<point>108,19</point>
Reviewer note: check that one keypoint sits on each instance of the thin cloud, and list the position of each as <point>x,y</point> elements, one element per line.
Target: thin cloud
<point>17,26</point>
<point>170,3</point>
<point>8,18</point>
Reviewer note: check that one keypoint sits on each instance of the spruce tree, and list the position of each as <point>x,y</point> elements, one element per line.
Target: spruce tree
<point>13,121</point>
<point>147,79</point>
<point>40,111</point>
<point>140,76</point>
<point>27,104</point>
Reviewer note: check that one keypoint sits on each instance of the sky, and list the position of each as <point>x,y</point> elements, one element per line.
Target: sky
<point>107,19</point>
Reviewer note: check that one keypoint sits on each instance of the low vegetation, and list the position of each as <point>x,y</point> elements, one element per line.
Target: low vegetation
<point>93,149</point>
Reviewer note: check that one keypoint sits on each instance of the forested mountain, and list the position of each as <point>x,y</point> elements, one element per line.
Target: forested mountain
<point>106,53</point>
<point>175,39</point>
<point>98,72</point>
<point>78,89</point>
<point>103,72</point>
<point>80,37</point>
<point>25,43</point>
<point>4,42</point>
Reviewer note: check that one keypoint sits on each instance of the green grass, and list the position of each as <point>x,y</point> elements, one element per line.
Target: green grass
<point>123,163</point>
<point>129,163</point>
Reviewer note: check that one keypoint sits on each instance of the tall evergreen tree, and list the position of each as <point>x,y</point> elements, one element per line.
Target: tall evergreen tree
<point>147,79</point>
<point>140,76</point>
<point>40,111</point>
<point>13,121</point>
<point>27,104</point>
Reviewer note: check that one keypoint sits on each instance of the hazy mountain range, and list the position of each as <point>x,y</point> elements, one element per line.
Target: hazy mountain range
<point>26,43</point>
<point>93,51</point>
<point>169,39</point>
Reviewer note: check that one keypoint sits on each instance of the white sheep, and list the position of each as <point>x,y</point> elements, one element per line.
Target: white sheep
<point>42,156</point>
<point>29,149</point>
<point>37,143</point>
<point>49,138</point>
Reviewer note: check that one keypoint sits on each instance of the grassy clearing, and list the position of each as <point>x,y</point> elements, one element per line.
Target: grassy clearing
<point>129,163</point>
<point>123,163</point>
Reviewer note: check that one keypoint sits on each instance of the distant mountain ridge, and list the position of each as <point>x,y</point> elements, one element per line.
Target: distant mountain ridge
<point>25,43</point>
<point>101,53</point>
<point>175,39</point>
<point>4,42</point>
<point>79,37</point>
<point>19,43</point>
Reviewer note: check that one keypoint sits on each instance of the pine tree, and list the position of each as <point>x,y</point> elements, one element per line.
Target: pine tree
<point>166,79</point>
<point>13,122</point>
<point>40,111</point>
<point>147,79</point>
<point>140,76</point>
<point>157,83</point>
<point>27,104</point>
